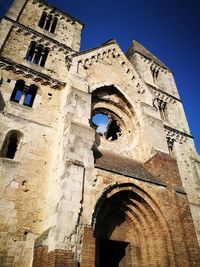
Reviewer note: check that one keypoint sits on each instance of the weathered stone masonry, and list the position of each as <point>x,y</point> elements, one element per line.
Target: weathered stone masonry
<point>77,192</point>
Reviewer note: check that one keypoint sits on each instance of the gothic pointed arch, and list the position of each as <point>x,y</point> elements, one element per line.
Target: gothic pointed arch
<point>129,225</point>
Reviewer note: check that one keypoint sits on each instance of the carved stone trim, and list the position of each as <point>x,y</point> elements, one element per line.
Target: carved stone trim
<point>154,65</point>
<point>162,95</point>
<point>44,79</point>
<point>97,56</point>
<point>39,37</point>
<point>173,135</point>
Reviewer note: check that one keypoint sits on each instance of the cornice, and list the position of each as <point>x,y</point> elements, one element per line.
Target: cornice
<point>163,95</point>
<point>26,72</point>
<point>176,135</point>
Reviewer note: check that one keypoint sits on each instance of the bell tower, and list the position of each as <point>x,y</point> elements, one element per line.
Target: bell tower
<point>36,43</point>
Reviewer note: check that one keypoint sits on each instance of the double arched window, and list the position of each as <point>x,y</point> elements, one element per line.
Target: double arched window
<point>37,54</point>
<point>11,144</point>
<point>24,94</point>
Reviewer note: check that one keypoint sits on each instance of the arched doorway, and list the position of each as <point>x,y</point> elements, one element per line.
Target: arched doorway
<point>130,230</point>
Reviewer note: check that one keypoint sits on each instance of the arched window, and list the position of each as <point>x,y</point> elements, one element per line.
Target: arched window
<point>54,24</point>
<point>24,94</point>
<point>42,20</point>
<point>30,94</point>
<point>17,91</point>
<point>48,22</point>
<point>37,54</point>
<point>11,144</point>
<point>162,107</point>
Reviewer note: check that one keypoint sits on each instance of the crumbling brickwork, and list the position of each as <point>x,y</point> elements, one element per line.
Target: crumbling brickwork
<point>77,192</point>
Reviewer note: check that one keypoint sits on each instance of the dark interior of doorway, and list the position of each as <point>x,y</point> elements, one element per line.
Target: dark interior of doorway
<point>111,253</point>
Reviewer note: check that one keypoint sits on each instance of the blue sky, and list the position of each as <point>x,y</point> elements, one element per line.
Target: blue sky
<point>168,28</point>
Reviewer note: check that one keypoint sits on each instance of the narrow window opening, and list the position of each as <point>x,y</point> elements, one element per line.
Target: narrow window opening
<point>11,144</point>
<point>53,27</point>
<point>42,20</point>
<point>30,94</point>
<point>12,147</point>
<point>38,54</point>
<point>17,91</point>
<point>162,107</point>
<point>155,73</point>
<point>44,57</point>
<point>170,144</point>
<point>48,23</point>
<point>31,52</point>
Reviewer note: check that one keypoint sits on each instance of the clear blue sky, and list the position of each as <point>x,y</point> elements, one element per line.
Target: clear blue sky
<point>168,28</point>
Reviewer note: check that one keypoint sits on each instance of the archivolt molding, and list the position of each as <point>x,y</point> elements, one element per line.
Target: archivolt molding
<point>39,38</point>
<point>142,214</point>
<point>104,53</point>
<point>9,65</point>
<point>116,188</point>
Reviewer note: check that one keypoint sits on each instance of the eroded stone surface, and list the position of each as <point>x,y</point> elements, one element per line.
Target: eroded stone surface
<point>60,186</point>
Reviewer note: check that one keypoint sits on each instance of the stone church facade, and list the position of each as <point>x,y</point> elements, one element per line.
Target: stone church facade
<point>72,196</point>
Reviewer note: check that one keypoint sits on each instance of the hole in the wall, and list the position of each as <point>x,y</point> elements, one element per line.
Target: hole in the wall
<point>24,182</point>
<point>101,122</point>
<point>107,126</point>
<point>25,235</point>
<point>113,131</point>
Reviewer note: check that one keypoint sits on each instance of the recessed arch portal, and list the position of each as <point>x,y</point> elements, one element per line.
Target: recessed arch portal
<point>129,226</point>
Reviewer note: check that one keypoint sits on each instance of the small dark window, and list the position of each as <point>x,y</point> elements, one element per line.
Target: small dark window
<point>30,93</point>
<point>53,27</point>
<point>155,73</point>
<point>170,144</point>
<point>37,54</point>
<point>162,107</point>
<point>48,22</point>
<point>42,20</point>
<point>44,57</point>
<point>10,144</point>
<point>17,91</point>
<point>24,93</point>
<point>31,52</point>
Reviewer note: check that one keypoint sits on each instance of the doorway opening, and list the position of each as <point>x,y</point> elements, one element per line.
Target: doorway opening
<point>112,253</point>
